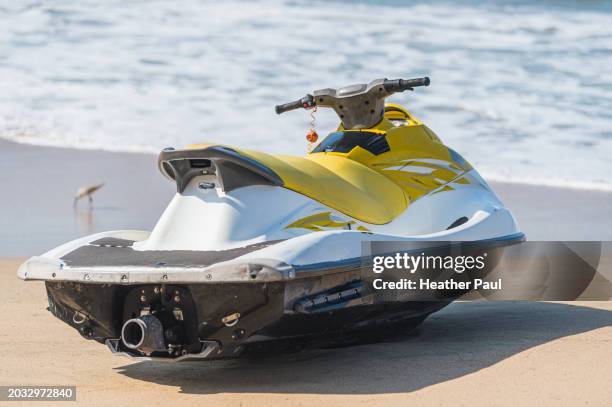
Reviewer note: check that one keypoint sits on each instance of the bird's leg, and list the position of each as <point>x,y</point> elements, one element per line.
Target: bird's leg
<point>90,200</point>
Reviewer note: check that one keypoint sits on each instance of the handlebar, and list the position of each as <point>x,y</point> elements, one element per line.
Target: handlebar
<point>390,86</point>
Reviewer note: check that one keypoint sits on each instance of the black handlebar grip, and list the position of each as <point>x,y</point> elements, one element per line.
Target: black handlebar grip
<point>288,106</point>
<point>306,102</point>
<point>400,85</point>
<point>412,83</point>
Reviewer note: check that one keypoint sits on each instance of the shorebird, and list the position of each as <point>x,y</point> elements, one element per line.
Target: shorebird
<point>86,192</point>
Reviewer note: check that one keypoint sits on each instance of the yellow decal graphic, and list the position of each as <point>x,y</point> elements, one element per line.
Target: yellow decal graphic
<point>324,221</point>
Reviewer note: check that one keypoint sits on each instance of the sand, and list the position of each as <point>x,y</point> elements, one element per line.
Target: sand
<point>480,353</point>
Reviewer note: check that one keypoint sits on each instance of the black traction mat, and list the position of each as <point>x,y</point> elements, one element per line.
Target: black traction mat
<point>118,252</point>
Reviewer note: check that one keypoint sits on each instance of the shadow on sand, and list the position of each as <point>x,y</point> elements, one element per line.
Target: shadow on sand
<point>463,338</point>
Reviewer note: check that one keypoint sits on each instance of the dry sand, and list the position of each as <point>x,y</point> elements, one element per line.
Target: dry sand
<point>481,353</point>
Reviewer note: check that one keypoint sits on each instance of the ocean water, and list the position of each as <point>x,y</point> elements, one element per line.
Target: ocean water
<point>522,89</point>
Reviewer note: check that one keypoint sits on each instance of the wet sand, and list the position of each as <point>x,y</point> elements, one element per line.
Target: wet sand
<point>480,353</point>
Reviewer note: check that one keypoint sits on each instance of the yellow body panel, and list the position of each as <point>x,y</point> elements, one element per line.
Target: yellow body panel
<point>341,184</point>
<point>418,162</point>
<point>368,187</point>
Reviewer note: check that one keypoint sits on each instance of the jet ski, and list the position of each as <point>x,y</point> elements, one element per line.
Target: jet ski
<point>257,248</point>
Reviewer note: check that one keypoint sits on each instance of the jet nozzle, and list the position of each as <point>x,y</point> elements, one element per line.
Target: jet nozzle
<point>144,334</point>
